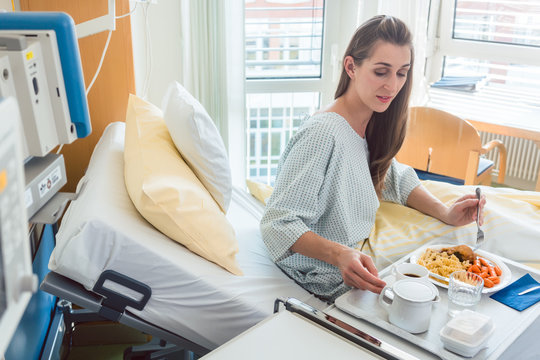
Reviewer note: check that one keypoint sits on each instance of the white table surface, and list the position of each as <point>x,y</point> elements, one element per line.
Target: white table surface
<point>286,335</point>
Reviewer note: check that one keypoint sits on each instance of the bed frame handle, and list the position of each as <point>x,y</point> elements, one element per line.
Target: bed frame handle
<point>115,303</point>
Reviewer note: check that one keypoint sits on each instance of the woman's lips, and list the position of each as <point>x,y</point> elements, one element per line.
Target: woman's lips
<point>384,99</point>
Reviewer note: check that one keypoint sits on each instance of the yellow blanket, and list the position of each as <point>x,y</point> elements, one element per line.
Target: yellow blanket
<point>511,224</point>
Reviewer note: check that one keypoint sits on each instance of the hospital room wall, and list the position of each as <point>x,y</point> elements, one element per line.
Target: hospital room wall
<point>108,97</point>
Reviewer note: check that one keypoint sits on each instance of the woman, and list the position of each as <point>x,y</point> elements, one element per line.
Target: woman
<point>341,162</point>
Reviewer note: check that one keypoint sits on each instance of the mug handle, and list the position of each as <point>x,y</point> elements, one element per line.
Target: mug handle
<point>382,296</point>
<point>394,271</point>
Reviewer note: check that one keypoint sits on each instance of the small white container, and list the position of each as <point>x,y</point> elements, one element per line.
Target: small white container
<point>466,334</point>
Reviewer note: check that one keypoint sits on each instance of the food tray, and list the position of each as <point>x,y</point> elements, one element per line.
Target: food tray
<point>509,323</point>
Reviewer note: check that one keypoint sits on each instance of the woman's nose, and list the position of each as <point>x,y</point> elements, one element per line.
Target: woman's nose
<point>391,83</point>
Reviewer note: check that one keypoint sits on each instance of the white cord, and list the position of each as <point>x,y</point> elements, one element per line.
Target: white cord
<point>100,63</point>
<point>129,13</point>
<point>105,50</point>
<point>148,42</point>
<point>59,148</point>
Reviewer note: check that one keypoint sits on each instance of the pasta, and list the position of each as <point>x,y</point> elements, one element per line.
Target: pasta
<point>439,262</point>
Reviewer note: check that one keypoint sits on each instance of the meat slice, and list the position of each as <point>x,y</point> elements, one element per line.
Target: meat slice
<point>462,252</point>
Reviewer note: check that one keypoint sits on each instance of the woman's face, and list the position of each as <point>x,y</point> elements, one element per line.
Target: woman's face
<point>379,78</point>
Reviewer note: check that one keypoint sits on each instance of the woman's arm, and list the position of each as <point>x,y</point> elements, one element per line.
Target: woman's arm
<point>357,268</point>
<point>462,212</point>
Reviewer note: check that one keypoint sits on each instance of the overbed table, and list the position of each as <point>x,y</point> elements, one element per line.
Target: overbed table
<point>287,335</point>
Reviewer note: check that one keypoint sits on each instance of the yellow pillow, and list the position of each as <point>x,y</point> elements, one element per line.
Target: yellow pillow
<point>168,194</point>
<point>259,190</point>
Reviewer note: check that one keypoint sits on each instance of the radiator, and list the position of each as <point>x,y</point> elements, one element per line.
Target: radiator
<point>523,158</point>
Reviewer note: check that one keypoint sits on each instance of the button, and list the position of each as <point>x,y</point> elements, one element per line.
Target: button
<point>34,82</point>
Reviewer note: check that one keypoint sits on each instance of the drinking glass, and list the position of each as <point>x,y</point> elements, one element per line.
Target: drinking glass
<point>464,291</point>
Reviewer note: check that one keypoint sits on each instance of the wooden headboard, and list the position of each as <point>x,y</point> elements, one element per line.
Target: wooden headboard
<point>108,97</point>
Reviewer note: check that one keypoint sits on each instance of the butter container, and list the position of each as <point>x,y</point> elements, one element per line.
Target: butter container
<point>467,333</point>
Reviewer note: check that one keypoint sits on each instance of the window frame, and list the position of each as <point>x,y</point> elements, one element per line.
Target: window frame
<point>330,65</point>
<point>446,45</point>
<point>331,54</point>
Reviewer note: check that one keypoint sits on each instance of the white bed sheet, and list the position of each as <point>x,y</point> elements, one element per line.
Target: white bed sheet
<point>191,296</point>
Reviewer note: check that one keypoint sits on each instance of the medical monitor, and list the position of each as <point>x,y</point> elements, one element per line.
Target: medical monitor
<point>43,54</point>
<point>17,282</point>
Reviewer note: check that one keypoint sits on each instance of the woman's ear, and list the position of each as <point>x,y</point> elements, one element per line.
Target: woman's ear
<point>349,66</point>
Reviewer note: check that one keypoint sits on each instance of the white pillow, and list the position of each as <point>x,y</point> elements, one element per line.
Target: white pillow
<point>198,140</point>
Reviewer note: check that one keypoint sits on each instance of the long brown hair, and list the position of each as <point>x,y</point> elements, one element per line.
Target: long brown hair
<point>385,131</point>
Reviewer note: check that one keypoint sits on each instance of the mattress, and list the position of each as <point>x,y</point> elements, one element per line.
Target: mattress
<point>191,296</point>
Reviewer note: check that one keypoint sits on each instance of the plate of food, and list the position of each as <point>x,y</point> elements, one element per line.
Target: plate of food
<point>443,259</point>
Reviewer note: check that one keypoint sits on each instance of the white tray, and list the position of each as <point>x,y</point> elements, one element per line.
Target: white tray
<point>509,323</point>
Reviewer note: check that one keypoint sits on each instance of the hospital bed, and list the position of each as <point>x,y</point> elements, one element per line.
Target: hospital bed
<point>170,292</point>
<point>165,290</point>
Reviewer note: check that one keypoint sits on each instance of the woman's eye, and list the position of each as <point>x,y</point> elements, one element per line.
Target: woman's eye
<point>402,74</point>
<point>379,73</point>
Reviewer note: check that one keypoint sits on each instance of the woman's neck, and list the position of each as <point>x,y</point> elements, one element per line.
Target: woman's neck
<point>356,114</point>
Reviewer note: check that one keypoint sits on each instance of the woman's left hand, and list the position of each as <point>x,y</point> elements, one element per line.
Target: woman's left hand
<point>463,211</point>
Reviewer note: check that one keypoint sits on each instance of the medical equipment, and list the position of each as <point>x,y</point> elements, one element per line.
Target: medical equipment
<point>40,79</point>
<point>44,57</point>
<point>17,282</point>
<point>42,70</point>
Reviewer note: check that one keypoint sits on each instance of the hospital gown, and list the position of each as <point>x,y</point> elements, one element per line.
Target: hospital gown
<point>324,185</point>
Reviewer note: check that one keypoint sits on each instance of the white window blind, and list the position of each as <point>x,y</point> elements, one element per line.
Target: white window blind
<point>496,41</point>
<point>502,21</point>
<point>509,22</point>
<point>283,40</point>
<point>496,44</point>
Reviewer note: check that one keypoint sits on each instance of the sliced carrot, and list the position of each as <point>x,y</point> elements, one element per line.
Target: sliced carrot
<point>483,261</point>
<point>474,269</point>
<point>488,283</point>
<point>494,279</point>
<point>491,271</point>
<point>477,262</point>
<point>497,270</point>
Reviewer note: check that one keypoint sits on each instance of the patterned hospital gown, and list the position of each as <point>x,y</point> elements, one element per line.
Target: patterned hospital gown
<point>324,185</point>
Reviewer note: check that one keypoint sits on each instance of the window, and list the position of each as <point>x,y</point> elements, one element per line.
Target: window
<point>497,41</point>
<point>283,40</point>
<point>287,58</point>
<point>493,47</point>
<point>274,118</point>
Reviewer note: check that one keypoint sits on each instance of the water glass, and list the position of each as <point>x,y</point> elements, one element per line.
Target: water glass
<point>464,291</point>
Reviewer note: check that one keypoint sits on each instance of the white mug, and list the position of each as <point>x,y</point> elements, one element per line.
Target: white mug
<point>410,307</point>
<point>408,270</point>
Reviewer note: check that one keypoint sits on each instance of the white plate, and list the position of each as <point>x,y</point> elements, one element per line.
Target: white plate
<point>505,277</point>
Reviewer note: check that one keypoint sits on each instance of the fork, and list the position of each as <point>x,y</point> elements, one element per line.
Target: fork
<point>529,290</point>
<point>480,234</point>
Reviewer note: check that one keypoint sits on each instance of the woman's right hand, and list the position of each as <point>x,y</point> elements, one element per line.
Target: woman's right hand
<point>357,268</point>
<point>359,271</point>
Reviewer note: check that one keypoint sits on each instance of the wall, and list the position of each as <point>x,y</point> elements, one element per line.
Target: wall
<point>6,5</point>
<point>108,97</point>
